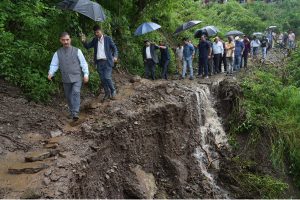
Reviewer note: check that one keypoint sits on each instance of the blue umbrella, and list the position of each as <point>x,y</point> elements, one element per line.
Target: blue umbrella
<point>146,28</point>
<point>186,26</point>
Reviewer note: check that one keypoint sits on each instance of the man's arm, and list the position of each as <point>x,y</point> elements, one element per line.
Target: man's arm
<point>53,66</point>
<point>86,44</point>
<point>84,66</point>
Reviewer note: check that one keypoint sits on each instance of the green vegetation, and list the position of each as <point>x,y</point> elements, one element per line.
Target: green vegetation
<point>29,32</point>
<point>270,110</point>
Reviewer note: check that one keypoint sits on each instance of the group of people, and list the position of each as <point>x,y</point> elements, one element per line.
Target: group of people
<point>213,57</point>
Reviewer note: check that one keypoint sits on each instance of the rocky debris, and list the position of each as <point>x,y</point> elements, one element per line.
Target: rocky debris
<point>56,133</point>
<point>142,185</point>
<point>27,168</point>
<point>39,156</point>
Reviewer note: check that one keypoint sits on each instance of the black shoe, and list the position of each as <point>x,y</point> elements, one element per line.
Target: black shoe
<point>75,118</point>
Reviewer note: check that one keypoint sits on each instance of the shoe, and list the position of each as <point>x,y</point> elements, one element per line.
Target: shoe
<point>113,96</point>
<point>191,78</point>
<point>105,97</point>
<point>206,77</point>
<point>75,117</point>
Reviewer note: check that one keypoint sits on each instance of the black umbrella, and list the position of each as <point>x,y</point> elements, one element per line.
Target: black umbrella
<point>207,30</point>
<point>234,33</point>
<point>86,7</point>
<point>186,26</point>
<point>198,33</point>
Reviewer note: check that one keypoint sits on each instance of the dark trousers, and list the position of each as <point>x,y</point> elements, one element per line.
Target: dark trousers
<point>223,60</point>
<point>217,59</point>
<point>105,73</point>
<point>150,69</point>
<point>210,65</point>
<point>245,60</point>
<point>203,66</point>
<point>165,66</point>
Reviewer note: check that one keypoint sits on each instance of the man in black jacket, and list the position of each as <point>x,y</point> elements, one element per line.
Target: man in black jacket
<point>150,58</point>
<point>105,54</point>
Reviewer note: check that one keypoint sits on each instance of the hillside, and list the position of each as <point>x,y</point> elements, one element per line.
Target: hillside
<point>222,137</point>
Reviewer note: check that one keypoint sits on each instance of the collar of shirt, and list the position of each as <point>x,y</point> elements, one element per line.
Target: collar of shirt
<point>101,39</point>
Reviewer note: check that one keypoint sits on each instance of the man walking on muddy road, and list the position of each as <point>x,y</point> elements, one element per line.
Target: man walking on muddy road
<point>72,64</point>
<point>105,54</point>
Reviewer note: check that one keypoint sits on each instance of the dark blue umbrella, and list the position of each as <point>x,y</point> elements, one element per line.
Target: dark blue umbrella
<point>186,26</point>
<point>198,33</point>
<point>86,7</point>
<point>146,28</point>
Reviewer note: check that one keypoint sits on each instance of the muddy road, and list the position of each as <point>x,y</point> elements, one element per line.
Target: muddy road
<point>157,140</point>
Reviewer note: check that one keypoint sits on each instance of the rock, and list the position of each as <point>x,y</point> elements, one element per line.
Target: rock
<point>27,168</point>
<point>48,172</point>
<point>135,79</point>
<point>39,156</point>
<point>136,123</point>
<point>56,133</point>
<point>51,146</point>
<point>107,176</point>
<point>46,181</point>
<point>141,185</point>
<point>31,194</point>
<point>169,90</point>
<point>63,155</point>
<point>86,128</point>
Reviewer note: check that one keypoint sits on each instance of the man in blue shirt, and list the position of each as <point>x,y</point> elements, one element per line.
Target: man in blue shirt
<point>188,55</point>
<point>238,52</point>
<point>204,49</point>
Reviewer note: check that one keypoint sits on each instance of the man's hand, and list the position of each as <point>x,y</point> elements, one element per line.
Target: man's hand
<point>83,38</point>
<point>49,77</point>
<point>85,79</point>
<point>115,59</point>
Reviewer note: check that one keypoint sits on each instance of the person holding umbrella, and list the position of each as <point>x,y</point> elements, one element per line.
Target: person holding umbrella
<point>105,54</point>
<point>72,64</point>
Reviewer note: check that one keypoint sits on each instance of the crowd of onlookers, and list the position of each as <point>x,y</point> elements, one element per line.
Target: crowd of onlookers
<point>213,55</point>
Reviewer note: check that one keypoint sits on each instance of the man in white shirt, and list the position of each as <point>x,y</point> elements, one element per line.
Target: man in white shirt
<point>291,40</point>
<point>218,51</point>
<point>179,56</point>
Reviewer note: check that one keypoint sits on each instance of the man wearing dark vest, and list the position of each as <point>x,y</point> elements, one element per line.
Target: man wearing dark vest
<point>72,64</point>
<point>105,54</point>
